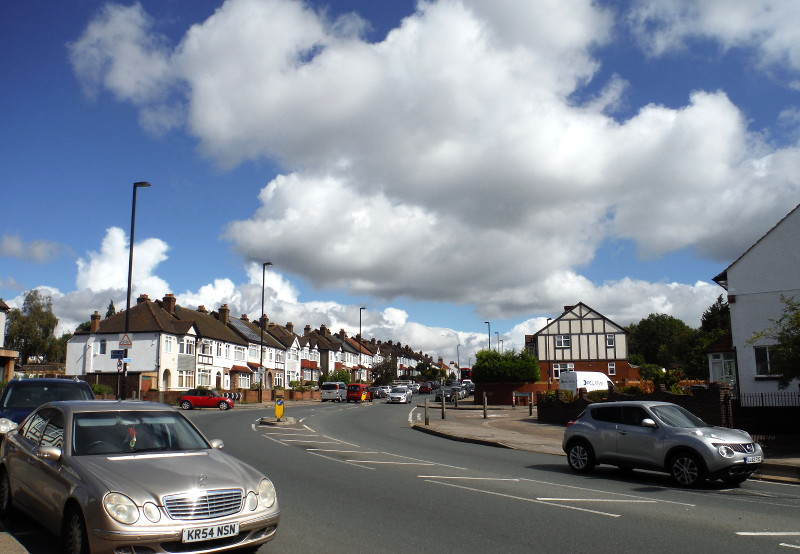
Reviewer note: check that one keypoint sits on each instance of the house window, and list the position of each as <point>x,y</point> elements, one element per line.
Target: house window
<point>244,380</point>
<point>219,349</point>
<point>228,351</point>
<point>763,361</point>
<point>279,380</point>
<point>612,368</point>
<point>239,353</point>
<point>562,341</point>
<point>185,379</point>
<point>203,377</point>
<point>558,368</point>
<point>206,348</point>
<point>722,367</point>
<point>102,346</point>
<point>610,340</point>
<point>253,351</point>
<point>279,355</point>
<point>168,344</point>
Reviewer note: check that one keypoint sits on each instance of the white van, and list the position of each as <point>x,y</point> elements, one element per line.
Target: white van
<point>589,380</point>
<point>335,391</point>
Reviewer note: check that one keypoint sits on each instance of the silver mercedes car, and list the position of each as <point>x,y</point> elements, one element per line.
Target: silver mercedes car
<point>132,476</point>
<point>659,436</point>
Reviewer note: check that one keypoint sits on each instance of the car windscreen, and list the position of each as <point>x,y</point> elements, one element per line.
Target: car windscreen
<point>133,431</point>
<point>329,386</point>
<point>676,416</point>
<point>400,390</point>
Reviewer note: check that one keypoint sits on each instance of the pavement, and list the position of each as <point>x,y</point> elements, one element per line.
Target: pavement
<point>514,428</point>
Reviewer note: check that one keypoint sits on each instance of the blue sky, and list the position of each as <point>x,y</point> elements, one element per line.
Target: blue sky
<point>441,164</point>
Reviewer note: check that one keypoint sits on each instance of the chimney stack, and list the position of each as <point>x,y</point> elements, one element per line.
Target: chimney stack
<point>224,314</point>
<point>263,321</point>
<point>95,325</point>
<point>169,303</point>
<point>142,298</point>
<point>307,330</point>
<point>290,326</point>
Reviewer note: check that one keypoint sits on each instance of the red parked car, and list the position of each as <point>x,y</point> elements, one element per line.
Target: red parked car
<point>204,398</point>
<point>425,388</point>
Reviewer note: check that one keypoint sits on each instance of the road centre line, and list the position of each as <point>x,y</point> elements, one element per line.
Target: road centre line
<point>418,460</point>
<point>597,500</point>
<point>605,492</point>
<point>532,500</point>
<point>340,461</point>
<point>394,463</point>
<point>768,533</point>
<point>308,441</point>
<point>789,545</point>
<point>466,478</point>
<point>341,451</point>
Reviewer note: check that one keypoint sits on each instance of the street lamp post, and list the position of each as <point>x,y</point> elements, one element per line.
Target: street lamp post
<point>261,325</point>
<point>497,344</point>
<point>489,327</point>
<point>359,336</point>
<point>124,384</point>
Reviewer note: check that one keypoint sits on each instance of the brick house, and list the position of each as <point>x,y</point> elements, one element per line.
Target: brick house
<point>582,339</point>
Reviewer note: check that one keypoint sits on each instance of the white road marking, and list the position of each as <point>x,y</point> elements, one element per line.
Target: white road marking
<point>787,545</point>
<point>545,499</point>
<point>467,478</point>
<point>532,500</point>
<point>340,461</point>
<point>605,492</point>
<point>341,451</point>
<point>769,533</point>
<point>394,463</point>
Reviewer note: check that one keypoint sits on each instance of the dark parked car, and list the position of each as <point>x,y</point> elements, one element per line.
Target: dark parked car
<point>446,393</point>
<point>204,398</point>
<point>21,396</point>
<point>659,436</point>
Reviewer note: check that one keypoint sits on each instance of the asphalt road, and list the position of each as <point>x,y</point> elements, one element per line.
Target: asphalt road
<point>356,478</point>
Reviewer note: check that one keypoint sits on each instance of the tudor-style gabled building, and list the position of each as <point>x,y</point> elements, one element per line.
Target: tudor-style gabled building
<point>755,283</point>
<point>582,339</point>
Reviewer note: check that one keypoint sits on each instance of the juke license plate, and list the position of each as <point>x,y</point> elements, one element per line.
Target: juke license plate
<point>196,534</point>
<point>752,460</point>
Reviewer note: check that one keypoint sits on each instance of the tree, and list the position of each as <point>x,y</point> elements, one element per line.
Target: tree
<point>509,367</point>
<point>340,375</point>
<point>661,339</point>
<point>384,371</point>
<point>111,310</point>
<point>31,329</point>
<point>784,356</point>
<point>717,317</point>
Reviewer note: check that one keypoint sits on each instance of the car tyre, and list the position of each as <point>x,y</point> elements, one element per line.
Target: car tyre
<point>580,457</point>
<point>6,506</point>
<point>686,469</point>
<point>186,405</point>
<point>74,539</point>
<point>223,405</point>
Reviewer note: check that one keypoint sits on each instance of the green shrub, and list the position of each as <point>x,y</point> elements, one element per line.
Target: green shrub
<point>100,390</point>
<point>597,395</point>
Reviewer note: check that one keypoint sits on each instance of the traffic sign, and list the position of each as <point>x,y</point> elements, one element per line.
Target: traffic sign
<point>127,360</point>
<point>117,354</point>
<point>125,341</point>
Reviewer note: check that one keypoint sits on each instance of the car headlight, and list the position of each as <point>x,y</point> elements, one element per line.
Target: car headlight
<point>725,451</point>
<point>266,493</point>
<point>151,512</point>
<point>121,508</point>
<point>6,425</point>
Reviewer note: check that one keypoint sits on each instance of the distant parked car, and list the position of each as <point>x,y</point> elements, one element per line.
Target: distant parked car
<point>445,393</point>
<point>377,392</point>
<point>386,390</point>
<point>659,436</point>
<point>335,391</point>
<point>399,395</point>
<point>425,388</point>
<point>132,476</point>
<point>21,396</point>
<point>204,398</point>
<point>358,392</point>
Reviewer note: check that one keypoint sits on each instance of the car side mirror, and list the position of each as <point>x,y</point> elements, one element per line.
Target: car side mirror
<point>217,444</point>
<point>49,453</point>
<point>647,422</point>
